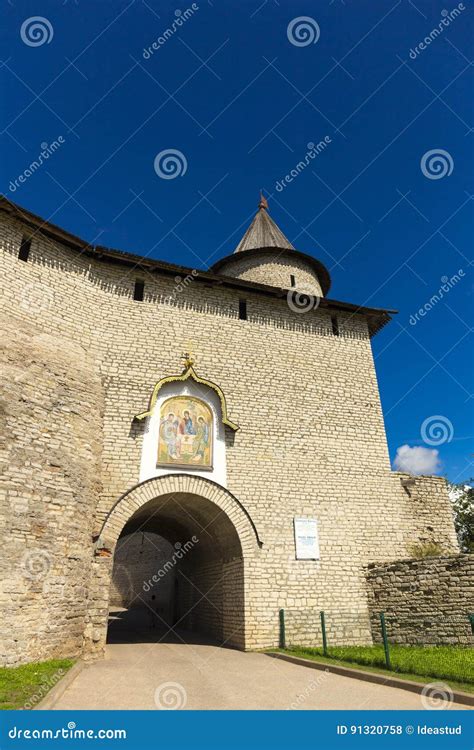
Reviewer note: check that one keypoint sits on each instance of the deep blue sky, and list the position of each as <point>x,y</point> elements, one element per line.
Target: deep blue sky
<point>241,102</point>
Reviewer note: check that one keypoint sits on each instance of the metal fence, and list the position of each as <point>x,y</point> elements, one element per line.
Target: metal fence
<point>316,628</point>
<point>306,627</point>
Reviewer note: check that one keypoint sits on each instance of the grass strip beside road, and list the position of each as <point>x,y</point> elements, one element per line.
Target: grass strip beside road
<point>425,664</point>
<point>25,686</point>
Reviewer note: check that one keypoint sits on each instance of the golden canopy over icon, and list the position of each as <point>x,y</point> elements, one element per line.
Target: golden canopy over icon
<point>189,373</point>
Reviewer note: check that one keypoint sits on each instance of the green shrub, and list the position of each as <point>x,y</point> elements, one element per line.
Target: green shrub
<point>426,549</point>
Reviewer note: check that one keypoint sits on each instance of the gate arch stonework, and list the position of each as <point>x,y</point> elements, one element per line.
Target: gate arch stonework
<point>171,484</point>
<point>126,506</point>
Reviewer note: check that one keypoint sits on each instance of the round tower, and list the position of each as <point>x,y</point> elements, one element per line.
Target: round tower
<point>266,256</point>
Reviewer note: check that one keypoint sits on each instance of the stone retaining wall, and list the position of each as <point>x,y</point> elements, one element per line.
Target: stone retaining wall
<point>425,601</point>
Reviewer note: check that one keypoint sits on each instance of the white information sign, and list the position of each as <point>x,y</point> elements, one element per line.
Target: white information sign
<point>306,538</point>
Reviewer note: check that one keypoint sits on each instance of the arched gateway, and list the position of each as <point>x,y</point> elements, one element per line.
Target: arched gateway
<point>213,538</point>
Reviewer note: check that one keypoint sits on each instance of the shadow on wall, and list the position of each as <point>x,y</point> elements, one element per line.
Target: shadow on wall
<point>114,280</point>
<point>137,559</point>
<point>178,565</point>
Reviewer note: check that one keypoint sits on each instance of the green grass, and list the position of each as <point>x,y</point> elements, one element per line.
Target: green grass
<point>418,663</point>
<point>26,686</point>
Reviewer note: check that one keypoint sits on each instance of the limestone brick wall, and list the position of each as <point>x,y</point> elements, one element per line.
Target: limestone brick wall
<point>274,271</point>
<point>51,403</point>
<point>98,603</point>
<point>425,601</point>
<point>429,511</point>
<point>311,438</point>
<point>343,627</point>
<point>138,557</point>
<point>233,603</point>
<point>216,601</point>
<point>206,610</point>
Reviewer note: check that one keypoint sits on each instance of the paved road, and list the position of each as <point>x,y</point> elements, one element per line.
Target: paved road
<point>197,676</point>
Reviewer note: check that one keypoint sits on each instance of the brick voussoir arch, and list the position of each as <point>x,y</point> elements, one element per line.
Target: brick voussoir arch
<point>170,484</point>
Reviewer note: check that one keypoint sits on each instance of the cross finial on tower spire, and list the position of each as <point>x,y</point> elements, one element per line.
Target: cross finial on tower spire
<point>188,360</point>
<point>263,201</point>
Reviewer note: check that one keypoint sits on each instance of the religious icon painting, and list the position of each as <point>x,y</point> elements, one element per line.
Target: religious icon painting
<point>185,437</point>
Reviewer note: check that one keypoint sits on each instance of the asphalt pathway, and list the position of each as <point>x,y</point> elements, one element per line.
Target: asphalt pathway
<point>177,675</point>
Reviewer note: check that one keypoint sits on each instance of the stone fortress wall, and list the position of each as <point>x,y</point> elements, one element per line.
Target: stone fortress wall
<point>428,601</point>
<point>52,407</point>
<point>311,438</point>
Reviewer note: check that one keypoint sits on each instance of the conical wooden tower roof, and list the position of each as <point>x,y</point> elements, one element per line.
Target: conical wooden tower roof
<point>263,232</point>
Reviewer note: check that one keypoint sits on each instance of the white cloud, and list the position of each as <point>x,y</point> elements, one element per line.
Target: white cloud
<point>417,460</point>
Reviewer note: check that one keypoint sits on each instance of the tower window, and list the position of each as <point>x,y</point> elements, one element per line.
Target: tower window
<point>24,251</point>
<point>242,309</point>
<point>138,290</point>
<point>335,325</point>
<point>292,280</point>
